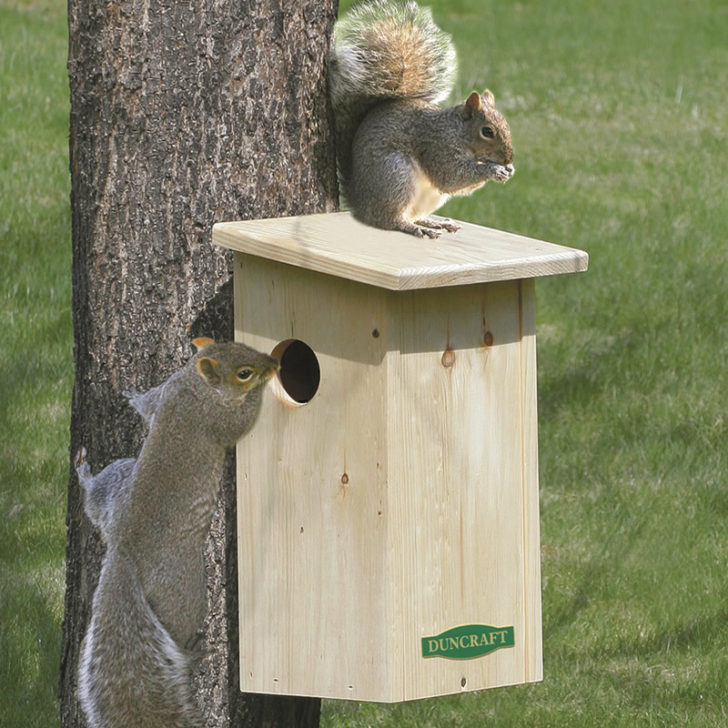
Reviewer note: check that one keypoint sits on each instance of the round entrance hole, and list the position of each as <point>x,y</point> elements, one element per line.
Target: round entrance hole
<point>299,374</point>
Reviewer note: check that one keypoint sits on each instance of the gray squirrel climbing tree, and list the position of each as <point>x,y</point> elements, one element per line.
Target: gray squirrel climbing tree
<point>182,115</point>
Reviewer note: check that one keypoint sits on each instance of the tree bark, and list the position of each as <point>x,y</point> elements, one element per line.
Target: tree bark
<point>182,114</point>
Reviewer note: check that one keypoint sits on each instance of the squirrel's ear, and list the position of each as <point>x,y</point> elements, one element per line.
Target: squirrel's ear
<point>208,369</point>
<point>474,102</point>
<point>488,98</point>
<point>201,342</point>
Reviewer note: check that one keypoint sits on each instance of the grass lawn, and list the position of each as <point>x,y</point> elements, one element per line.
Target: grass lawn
<point>36,358</point>
<point>620,128</point>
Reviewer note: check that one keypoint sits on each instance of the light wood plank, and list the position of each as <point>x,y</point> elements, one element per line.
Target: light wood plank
<point>436,522</point>
<point>336,244</point>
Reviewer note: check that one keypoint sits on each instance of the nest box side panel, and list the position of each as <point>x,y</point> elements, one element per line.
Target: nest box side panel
<point>311,492</point>
<point>464,488</point>
<point>533,638</point>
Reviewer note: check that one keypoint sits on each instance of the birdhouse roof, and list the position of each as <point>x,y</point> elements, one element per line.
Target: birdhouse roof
<point>337,244</point>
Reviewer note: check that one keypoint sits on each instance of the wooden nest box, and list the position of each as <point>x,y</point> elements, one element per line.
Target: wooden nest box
<point>388,495</point>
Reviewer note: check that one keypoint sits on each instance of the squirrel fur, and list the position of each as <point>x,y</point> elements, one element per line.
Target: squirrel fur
<point>154,514</point>
<point>400,155</point>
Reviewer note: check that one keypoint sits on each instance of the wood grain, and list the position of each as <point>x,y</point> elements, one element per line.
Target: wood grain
<point>402,500</point>
<point>339,245</point>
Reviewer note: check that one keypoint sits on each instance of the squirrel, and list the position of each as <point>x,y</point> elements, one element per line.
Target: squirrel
<point>401,156</point>
<point>154,514</point>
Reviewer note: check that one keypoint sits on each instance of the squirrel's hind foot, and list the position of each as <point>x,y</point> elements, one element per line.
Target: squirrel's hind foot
<point>421,231</point>
<point>412,228</point>
<point>425,227</point>
<point>444,224</point>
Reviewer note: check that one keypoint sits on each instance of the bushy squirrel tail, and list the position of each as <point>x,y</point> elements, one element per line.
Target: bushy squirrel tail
<point>131,671</point>
<point>385,49</point>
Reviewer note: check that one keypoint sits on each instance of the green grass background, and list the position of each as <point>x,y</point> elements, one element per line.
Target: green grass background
<point>620,125</point>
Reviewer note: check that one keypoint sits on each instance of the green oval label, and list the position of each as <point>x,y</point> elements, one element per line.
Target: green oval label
<point>468,641</point>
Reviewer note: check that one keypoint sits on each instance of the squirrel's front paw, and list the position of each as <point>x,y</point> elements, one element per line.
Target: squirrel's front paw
<point>498,172</point>
<point>502,173</point>
<point>83,470</point>
<point>80,458</point>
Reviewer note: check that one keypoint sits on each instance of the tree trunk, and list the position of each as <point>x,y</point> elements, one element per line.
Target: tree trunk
<point>182,114</point>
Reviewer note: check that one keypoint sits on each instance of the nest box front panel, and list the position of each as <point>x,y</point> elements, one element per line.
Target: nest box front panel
<point>312,492</point>
<point>399,500</point>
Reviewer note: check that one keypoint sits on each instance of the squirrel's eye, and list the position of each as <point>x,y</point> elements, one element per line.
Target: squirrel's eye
<point>487,132</point>
<point>245,375</point>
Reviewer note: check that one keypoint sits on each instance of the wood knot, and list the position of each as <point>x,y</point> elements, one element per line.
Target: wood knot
<point>488,338</point>
<point>448,358</point>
